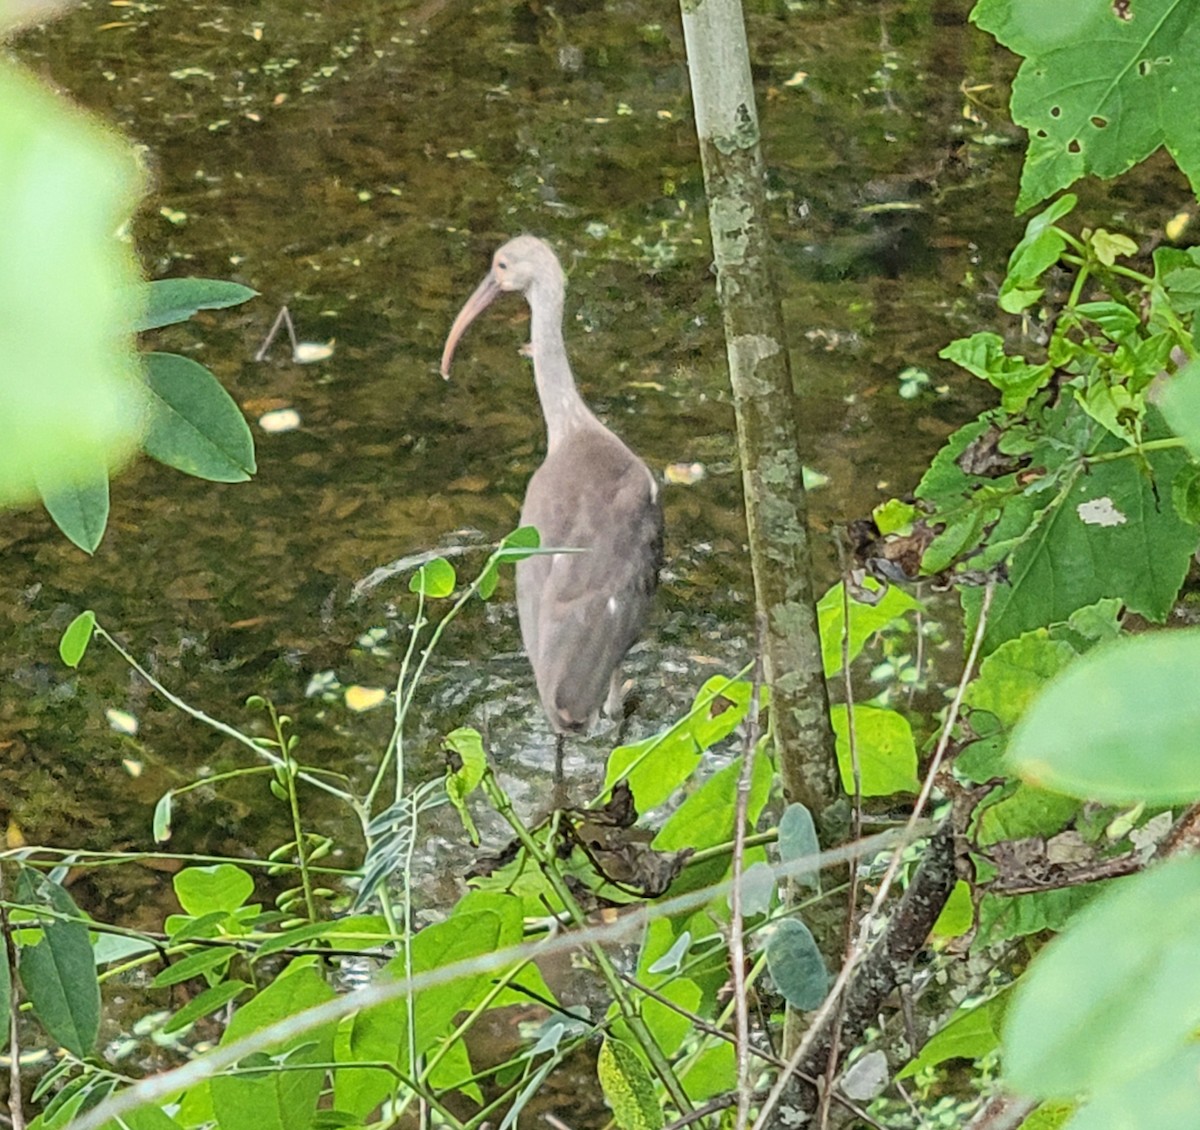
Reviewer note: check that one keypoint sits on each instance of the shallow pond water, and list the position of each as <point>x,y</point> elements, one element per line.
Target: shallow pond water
<point>359,162</point>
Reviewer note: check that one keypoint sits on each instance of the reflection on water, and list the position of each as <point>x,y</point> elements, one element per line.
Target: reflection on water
<point>360,168</point>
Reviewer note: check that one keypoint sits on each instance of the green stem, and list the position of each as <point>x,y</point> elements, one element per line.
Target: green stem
<point>1166,444</point>
<point>290,770</point>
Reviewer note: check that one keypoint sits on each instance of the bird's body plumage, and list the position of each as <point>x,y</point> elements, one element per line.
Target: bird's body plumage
<point>580,612</point>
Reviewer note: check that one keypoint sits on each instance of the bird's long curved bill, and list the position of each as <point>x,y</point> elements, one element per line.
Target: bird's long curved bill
<point>485,294</point>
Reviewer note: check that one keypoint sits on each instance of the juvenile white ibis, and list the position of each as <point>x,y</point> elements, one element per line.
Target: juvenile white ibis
<point>580,612</point>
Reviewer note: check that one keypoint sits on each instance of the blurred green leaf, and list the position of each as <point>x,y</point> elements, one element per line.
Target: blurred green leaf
<point>175,300</point>
<point>1180,404</point>
<point>194,425</point>
<point>71,398</point>
<point>75,640</point>
<point>1125,973</point>
<point>1119,725</point>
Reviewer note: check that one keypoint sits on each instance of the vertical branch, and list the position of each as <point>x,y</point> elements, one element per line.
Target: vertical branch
<point>761,380</point>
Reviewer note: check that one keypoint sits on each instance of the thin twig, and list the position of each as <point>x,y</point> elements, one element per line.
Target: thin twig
<point>825,1012</point>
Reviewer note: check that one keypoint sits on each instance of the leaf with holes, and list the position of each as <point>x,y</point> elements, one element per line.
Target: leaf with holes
<point>1101,88</point>
<point>194,425</point>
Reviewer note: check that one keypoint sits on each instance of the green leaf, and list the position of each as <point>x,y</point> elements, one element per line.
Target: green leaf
<point>204,960</point>
<point>1110,246</point>
<point>712,1072</point>
<point>894,516</point>
<point>1124,974</point>
<point>958,915</point>
<point>75,640</point>
<point>1120,725</point>
<point>970,1033</point>
<point>1012,676</point>
<point>194,425</point>
<point>463,780</point>
<point>797,840</point>
<point>1038,250</point>
<point>222,888</point>
<point>628,1088</point>
<point>865,621</point>
<point>381,1033</point>
<point>1105,534</point>
<point>59,973</point>
<point>983,355</point>
<point>80,509</point>
<point>671,1026</point>
<point>175,300</point>
<point>887,755</point>
<point>1025,811</point>
<point>656,766</point>
<point>71,397</point>
<point>796,965</point>
<point>434,579</point>
<point>521,543</point>
<point>1002,917</point>
<point>1097,92</point>
<point>205,1004</point>
<point>274,1099</point>
<point>1185,493</point>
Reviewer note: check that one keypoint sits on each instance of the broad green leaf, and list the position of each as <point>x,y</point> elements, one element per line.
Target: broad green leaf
<point>381,1033</point>
<point>887,754</point>
<point>274,1099</point>
<point>656,766</point>
<point>222,887</point>
<point>71,397</point>
<point>80,508</point>
<point>205,1004</point>
<point>1124,974</point>
<point>453,1072</point>
<point>970,1033</point>
<point>521,543</point>
<point>194,425</point>
<point>1120,725</point>
<point>797,840</point>
<point>865,621</point>
<point>75,639</point>
<point>1185,493</point>
<point>1099,92</point>
<point>706,819</point>
<point>1012,676</point>
<point>628,1088</point>
<point>1015,916</point>
<point>796,965</point>
<point>1025,811</point>
<point>434,579</point>
<point>1106,535</point>
<point>1114,318</point>
<point>894,516</point>
<point>59,972</point>
<point>713,1072</point>
<point>669,1026</point>
<point>1037,251</point>
<point>175,300</point>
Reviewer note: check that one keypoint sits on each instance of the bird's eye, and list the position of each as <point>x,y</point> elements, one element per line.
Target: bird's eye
<point>502,265</point>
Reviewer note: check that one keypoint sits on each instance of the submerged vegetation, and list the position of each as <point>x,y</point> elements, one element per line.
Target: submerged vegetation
<point>1049,787</point>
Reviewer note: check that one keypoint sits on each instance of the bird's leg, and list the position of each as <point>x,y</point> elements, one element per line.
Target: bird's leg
<point>559,739</point>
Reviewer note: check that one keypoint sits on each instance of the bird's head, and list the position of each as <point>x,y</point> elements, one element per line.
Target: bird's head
<point>526,265</point>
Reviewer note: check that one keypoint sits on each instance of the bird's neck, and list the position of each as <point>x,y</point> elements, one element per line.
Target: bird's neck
<point>562,406</point>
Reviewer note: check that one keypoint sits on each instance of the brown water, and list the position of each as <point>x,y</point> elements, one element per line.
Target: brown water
<point>359,162</point>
